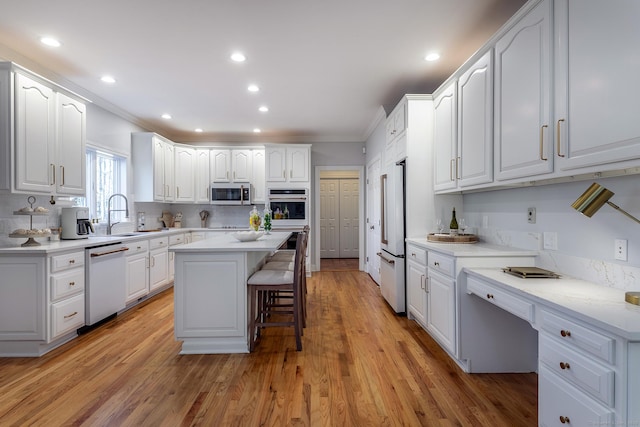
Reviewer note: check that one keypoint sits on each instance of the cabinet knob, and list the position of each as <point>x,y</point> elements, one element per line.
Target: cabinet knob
<point>436,263</point>
<point>564,420</point>
<point>565,333</point>
<point>72,283</point>
<point>413,254</point>
<point>72,261</point>
<point>564,365</point>
<point>489,296</point>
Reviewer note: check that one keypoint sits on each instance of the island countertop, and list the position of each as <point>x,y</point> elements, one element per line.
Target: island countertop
<point>227,243</point>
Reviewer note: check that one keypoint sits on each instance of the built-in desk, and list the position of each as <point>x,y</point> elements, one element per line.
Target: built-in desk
<point>588,344</point>
<point>210,291</point>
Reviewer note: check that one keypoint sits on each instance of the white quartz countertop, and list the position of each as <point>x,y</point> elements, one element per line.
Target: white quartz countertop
<point>598,305</point>
<point>470,249</point>
<point>225,242</point>
<point>47,246</point>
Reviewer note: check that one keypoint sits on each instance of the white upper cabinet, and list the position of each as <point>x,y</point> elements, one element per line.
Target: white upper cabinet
<point>230,165</point>
<point>396,141</point>
<point>202,182</point>
<point>596,82</point>
<point>523,132</point>
<point>48,138</point>
<point>474,164</point>
<point>258,176</point>
<point>153,167</point>
<point>288,163</point>
<point>444,139</point>
<point>71,137</point>
<point>184,173</point>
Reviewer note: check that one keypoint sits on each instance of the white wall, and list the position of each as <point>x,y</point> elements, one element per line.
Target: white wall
<point>585,245</point>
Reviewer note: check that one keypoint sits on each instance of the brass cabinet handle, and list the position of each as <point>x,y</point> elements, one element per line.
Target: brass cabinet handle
<point>564,420</point>
<point>284,173</point>
<point>542,143</point>
<point>565,365</point>
<point>62,174</point>
<point>71,315</point>
<point>558,137</point>
<point>458,168</point>
<point>565,333</point>
<point>53,173</point>
<point>422,281</point>
<point>451,169</point>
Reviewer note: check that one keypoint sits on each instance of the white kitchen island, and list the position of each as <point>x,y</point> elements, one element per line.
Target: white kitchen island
<point>210,291</point>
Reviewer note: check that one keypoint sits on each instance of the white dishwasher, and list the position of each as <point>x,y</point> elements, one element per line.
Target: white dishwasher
<point>105,287</point>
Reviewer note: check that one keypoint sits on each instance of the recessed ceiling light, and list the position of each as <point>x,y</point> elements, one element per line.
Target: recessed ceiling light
<point>166,116</point>
<point>108,79</point>
<point>238,57</point>
<point>263,109</point>
<point>432,57</point>
<point>198,130</point>
<point>256,130</point>
<point>253,88</point>
<point>50,41</point>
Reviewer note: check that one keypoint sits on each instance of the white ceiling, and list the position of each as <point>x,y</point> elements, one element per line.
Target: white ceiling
<point>324,67</point>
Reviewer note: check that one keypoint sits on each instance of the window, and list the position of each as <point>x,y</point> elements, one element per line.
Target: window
<point>106,175</point>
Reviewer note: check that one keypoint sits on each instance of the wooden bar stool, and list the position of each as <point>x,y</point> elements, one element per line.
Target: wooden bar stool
<point>262,283</point>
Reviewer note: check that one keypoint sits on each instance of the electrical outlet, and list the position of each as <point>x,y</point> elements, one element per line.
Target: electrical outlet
<point>531,215</point>
<point>621,250</point>
<point>550,239</point>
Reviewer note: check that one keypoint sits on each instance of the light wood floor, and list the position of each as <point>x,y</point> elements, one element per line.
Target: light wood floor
<point>361,365</point>
<point>339,264</point>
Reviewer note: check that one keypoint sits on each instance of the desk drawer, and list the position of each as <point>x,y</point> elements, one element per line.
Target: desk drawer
<point>506,301</point>
<point>577,336</point>
<point>594,378</point>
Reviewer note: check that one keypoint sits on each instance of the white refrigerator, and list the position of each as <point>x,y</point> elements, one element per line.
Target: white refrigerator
<point>392,275</point>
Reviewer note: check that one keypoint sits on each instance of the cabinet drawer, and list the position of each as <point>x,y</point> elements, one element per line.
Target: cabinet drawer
<point>594,378</point>
<point>579,337</point>
<point>66,284</point>
<point>158,242</point>
<point>67,315</point>
<point>176,239</point>
<point>441,263</point>
<point>561,404</point>
<point>135,248</point>
<point>67,261</point>
<point>417,254</point>
<point>506,301</point>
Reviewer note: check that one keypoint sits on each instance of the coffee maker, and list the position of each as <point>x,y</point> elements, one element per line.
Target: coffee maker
<point>75,223</point>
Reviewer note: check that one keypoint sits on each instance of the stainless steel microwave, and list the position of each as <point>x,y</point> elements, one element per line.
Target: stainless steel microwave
<point>230,194</point>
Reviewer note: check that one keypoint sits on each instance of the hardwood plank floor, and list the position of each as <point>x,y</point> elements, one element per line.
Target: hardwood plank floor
<point>361,365</point>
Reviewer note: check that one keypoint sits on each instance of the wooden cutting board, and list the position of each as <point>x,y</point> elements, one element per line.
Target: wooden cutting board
<point>446,238</point>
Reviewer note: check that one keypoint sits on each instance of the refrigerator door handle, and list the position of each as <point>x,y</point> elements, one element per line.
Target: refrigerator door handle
<point>389,261</point>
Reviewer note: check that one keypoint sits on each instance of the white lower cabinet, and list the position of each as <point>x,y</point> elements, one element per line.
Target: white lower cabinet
<point>417,284</point>
<point>137,274</point>
<point>175,239</point>
<point>66,294</point>
<point>441,309</point>
<point>158,262</point>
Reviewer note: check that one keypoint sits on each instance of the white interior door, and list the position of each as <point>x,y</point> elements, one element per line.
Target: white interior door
<point>329,218</point>
<point>373,219</point>
<point>349,218</point>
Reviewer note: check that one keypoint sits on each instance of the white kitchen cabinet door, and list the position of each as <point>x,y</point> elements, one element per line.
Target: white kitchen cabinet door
<point>34,136</point>
<point>276,164</point>
<point>441,311</point>
<point>158,268</point>
<point>258,176</point>
<point>416,291</point>
<point>241,165</point>
<point>169,169</point>
<point>137,275</point>
<point>475,123</point>
<point>22,298</point>
<point>597,85</point>
<point>70,143</point>
<point>220,165</point>
<point>298,163</point>
<point>523,132</point>
<point>184,168</point>
<point>202,182</point>
<point>445,140</point>
<point>159,188</point>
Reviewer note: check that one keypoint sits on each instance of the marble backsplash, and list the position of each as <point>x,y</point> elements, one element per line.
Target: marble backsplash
<point>604,273</point>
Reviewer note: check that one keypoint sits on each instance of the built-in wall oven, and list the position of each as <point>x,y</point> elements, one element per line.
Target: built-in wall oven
<point>289,207</point>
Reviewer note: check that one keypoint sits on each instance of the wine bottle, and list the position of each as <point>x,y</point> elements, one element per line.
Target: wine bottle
<point>453,225</point>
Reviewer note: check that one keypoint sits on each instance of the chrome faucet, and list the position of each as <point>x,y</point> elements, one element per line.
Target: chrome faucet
<point>125,210</point>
